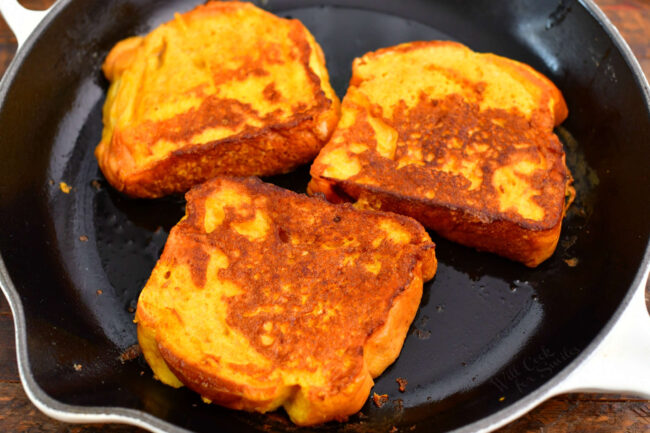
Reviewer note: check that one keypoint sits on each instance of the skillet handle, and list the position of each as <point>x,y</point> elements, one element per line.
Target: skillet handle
<point>621,362</point>
<point>21,21</point>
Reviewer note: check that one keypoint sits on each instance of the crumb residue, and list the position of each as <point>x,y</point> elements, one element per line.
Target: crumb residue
<point>77,367</point>
<point>379,400</point>
<point>65,187</point>
<point>83,238</point>
<point>130,353</point>
<point>422,334</point>
<point>99,292</point>
<point>572,262</point>
<point>402,383</point>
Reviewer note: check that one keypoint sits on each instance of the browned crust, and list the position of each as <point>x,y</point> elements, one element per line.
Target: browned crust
<point>274,149</point>
<point>220,389</point>
<point>529,245</point>
<point>385,342</point>
<point>380,350</point>
<point>556,179</point>
<point>277,147</point>
<point>371,339</point>
<point>341,191</point>
<point>468,217</point>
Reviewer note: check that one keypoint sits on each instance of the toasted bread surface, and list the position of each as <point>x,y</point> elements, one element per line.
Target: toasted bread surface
<point>225,88</point>
<point>265,298</point>
<point>459,140</point>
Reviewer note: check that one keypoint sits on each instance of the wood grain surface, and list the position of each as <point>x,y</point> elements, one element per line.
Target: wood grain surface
<point>592,413</point>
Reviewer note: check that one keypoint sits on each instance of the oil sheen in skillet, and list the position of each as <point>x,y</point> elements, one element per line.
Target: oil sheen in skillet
<point>478,314</point>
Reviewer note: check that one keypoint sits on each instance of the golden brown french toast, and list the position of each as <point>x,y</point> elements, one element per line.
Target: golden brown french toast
<point>265,298</point>
<point>225,88</point>
<point>461,141</point>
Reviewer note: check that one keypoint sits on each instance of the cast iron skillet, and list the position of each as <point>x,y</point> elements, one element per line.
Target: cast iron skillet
<point>491,338</point>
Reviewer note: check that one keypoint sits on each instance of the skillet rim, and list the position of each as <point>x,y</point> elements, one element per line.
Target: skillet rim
<point>105,414</point>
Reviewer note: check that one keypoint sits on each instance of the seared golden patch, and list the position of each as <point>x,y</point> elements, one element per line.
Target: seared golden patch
<point>265,298</point>
<point>459,140</point>
<point>226,88</point>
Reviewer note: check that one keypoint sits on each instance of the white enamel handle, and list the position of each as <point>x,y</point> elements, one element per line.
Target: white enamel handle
<point>621,362</point>
<point>21,21</point>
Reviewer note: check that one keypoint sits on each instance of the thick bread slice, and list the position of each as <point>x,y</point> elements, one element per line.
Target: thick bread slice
<point>461,141</point>
<point>226,88</point>
<point>265,298</point>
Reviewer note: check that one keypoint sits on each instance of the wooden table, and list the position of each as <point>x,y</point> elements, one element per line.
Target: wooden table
<point>593,413</point>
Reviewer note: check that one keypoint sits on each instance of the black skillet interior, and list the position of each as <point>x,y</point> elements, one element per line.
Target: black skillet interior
<point>488,331</point>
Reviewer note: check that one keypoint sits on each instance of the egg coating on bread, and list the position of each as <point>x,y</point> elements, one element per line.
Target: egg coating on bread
<point>461,141</point>
<point>265,298</point>
<point>226,88</point>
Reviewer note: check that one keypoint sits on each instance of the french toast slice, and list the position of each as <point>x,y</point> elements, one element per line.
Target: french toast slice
<point>461,141</point>
<point>225,88</point>
<point>265,298</point>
